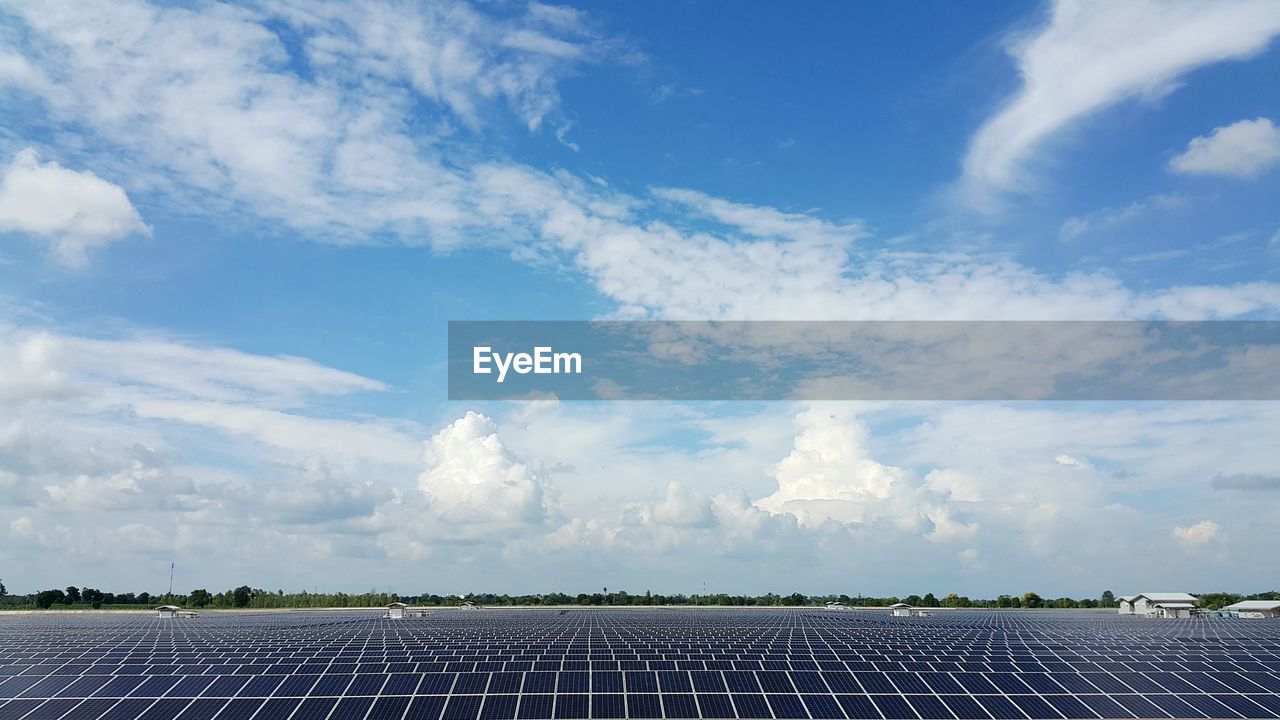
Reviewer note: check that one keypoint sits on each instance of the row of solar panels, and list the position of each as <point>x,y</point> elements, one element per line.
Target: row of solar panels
<point>540,707</point>
<point>432,650</point>
<point>374,668</point>
<point>610,682</point>
<point>446,647</point>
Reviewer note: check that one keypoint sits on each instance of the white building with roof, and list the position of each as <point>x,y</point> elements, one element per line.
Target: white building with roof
<point>1161,604</point>
<point>1256,608</point>
<point>395,610</point>
<point>900,610</point>
<point>167,611</point>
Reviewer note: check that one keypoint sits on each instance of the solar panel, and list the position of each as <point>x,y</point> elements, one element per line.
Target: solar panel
<point>635,662</point>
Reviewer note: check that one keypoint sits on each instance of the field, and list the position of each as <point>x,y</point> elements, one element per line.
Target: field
<point>493,664</point>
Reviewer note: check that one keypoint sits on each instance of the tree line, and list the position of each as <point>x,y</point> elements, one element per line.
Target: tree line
<point>251,598</point>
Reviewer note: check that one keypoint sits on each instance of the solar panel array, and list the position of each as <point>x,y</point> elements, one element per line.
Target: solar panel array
<point>496,664</point>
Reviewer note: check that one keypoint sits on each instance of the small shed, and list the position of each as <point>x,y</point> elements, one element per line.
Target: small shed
<point>900,610</point>
<point>1256,609</point>
<point>1125,603</point>
<point>395,610</point>
<point>837,605</point>
<point>467,606</point>
<point>167,611</point>
<point>1173,609</point>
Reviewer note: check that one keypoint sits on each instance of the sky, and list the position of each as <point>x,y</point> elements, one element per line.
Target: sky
<point>231,237</point>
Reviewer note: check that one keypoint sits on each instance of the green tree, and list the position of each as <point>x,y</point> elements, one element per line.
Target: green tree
<point>201,597</point>
<point>241,596</point>
<point>3,590</point>
<point>1032,600</point>
<point>92,596</point>
<point>929,600</point>
<point>73,594</point>
<point>1108,599</point>
<point>46,598</point>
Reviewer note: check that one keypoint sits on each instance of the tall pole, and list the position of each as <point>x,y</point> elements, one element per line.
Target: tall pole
<point>171,578</point>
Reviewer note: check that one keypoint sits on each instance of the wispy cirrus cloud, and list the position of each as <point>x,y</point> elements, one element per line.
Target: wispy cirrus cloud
<point>1092,54</point>
<point>341,120</point>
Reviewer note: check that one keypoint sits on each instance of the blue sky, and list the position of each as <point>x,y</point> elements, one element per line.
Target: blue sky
<point>231,237</point>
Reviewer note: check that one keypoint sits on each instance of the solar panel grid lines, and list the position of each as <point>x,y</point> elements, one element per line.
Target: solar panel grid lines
<point>613,663</point>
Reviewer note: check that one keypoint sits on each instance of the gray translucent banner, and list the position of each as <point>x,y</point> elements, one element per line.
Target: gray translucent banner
<point>891,360</point>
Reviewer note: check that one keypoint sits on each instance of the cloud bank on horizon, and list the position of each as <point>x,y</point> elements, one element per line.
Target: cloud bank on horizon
<point>160,154</point>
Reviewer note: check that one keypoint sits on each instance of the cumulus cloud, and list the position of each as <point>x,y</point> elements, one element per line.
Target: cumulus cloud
<point>72,211</point>
<point>829,474</point>
<point>1094,53</point>
<point>957,486</point>
<point>317,491</point>
<point>1242,149</point>
<point>147,482</point>
<point>471,477</point>
<point>1202,533</point>
<point>32,367</point>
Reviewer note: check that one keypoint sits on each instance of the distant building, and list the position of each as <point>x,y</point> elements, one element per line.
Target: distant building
<point>1165,604</point>
<point>395,610</point>
<point>167,611</point>
<point>1256,609</point>
<point>836,605</point>
<point>900,610</point>
<point>468,605</point>
<point>1173,609</point>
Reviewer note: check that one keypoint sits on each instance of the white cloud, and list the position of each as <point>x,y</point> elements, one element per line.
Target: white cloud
<point>956,485</point>
<point>1075,227</point>
<point>1202,533</point>
<point>209,107</point>
<point>32,367</point>
<point>73,211</point>
<point>1071,461</point>
<point>1095,53</point>
<point>1243,149</point>
<point>829,474</point>
<point>471,477</point>
<point>764,222</point>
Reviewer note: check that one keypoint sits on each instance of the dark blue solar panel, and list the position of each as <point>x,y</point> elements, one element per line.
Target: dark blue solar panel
<point>608,706</point>
<point>749,706</point>
<point>894,707</point>
<point>423,707</point>
<point>822,706</point>
<point>1032,706</point>
<point>967,708</point>
<point>509,664</point>
<point>928,706</point>
<point>857,706</point>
